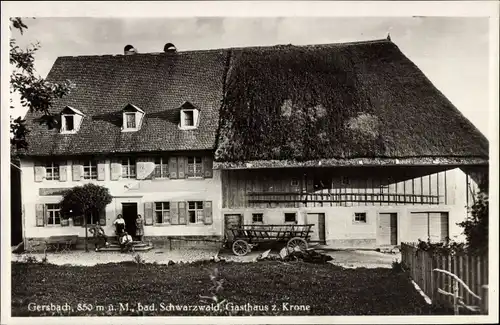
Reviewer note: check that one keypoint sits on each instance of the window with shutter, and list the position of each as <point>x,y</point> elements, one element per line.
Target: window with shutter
<point>161,167</point>
<point>77,170</point>
<point>63,171</point>
<point>90,169</point>
<point>194,167</point>
<point>128,168</point>
<point>208,171</point>
<point>52,171</point>
<point>196,212</point>
<point>162,212</point>
<point>39,172</point>
<point>53,213</point>
<point>102,217</point>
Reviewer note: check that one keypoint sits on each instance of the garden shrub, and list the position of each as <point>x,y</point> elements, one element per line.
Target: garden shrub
<point>476,225</point>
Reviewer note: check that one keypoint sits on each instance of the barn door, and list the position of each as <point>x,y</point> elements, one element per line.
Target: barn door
<point>438,226</point>
<point>387,229</point>
<point>232,220</point>
<point>419,226</point>
<point>318,230</point>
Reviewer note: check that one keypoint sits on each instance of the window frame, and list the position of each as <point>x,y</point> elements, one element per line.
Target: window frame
<point>49,209</point>
<point>356,214</point>
<point>198,212</point>
<point>162,210</point>
<point>163,164</point>
<point>91,166</point>
<point>190,113</point>
<point>126,122</point>
<point>53,171</point>
<point>129,166</point>
<point>197,173</point>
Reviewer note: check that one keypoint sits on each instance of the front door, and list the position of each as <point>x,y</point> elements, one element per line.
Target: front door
<point>387,229</point>
<point>232,220</point>
<point>129,213</point>
<point>318,230</point>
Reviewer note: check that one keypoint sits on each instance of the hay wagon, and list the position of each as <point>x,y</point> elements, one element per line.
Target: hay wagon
<point>245,237</point>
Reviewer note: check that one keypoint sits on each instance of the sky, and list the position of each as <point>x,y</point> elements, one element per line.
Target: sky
<point>453,52</point>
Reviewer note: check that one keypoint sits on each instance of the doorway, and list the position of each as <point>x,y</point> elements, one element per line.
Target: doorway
<point>318,230</point>
<point>129,213</point>
<point>387,229</point>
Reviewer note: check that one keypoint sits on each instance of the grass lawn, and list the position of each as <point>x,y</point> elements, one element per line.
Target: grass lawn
<point>264,288</point>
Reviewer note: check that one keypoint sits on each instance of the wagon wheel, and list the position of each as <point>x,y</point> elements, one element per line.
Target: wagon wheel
<point>240,247</point>
<point>297,241</point>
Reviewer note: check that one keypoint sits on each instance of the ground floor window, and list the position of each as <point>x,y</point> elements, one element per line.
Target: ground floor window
<point>162,212</point>
<point>53,214</point>
<point>195,211</point>
<point>290,217</point>
<point>92,217</point>
<point>360,217</point>
<point>257,217</point>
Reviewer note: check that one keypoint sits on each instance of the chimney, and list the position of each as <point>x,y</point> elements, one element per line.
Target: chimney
<point>129,50</point>
<point>169,48</point>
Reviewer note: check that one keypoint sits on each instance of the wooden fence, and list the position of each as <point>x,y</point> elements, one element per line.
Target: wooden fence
<point>473,270</point>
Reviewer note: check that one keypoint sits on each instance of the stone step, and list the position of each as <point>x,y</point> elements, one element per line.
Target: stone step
<point>134,244</point>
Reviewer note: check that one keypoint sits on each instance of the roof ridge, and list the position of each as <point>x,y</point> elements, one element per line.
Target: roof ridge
<point>384,40</point>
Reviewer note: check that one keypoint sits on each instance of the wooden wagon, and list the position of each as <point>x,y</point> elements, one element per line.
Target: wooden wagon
<point>245,237</point>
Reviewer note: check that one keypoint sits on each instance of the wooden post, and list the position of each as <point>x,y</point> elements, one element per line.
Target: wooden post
<point>455,297</point>
<point>484,299</point>
<point>86,231</point>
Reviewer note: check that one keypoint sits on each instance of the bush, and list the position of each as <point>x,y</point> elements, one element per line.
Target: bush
<point>30,259</point>
<point>398,266</point>
<point>448,247</point>
<point>45,260</point>
<point>476,225</point>
<point>138,259</point>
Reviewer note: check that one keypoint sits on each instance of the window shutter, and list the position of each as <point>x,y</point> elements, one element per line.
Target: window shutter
<point>207,206</point>
<point>40,215</point>
<point>172,167</point>
<point>116,170</point>
<point>174,213</point>
<point>63,171</point>
<point>39,172</point>
<point>181,166</point>
<point>208,171</point>
<point>102,217</point>
<point>77,220</point>
<point>101,170</point>
<point>182,213</point>
<point>77,170</point>
<point>148,213</point>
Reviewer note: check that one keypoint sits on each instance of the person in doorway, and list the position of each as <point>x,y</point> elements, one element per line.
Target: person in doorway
<point>119,224</point>
<point>139,224</point>
<point>125,242</point>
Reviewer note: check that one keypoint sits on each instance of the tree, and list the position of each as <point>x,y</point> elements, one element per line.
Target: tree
<point>476,225</point>
<point>79,201</point>
<point>35,93</point>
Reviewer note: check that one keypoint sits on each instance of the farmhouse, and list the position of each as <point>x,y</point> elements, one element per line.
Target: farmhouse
<point>350,137</point>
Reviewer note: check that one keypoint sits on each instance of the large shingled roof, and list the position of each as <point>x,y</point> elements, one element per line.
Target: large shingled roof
<point>279,103</point>
<point>158,83</point>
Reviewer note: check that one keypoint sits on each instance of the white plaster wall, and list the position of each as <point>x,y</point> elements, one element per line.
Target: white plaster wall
<point>139,191</point>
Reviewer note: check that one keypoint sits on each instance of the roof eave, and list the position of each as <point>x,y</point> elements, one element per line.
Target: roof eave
<point>354,162</point>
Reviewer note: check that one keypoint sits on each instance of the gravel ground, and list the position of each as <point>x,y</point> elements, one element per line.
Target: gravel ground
<point>347,259</point>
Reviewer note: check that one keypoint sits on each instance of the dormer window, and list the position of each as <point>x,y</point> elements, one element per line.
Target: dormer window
<point>189,116</point>
<point>132,118</point>
<point>71,119</point>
